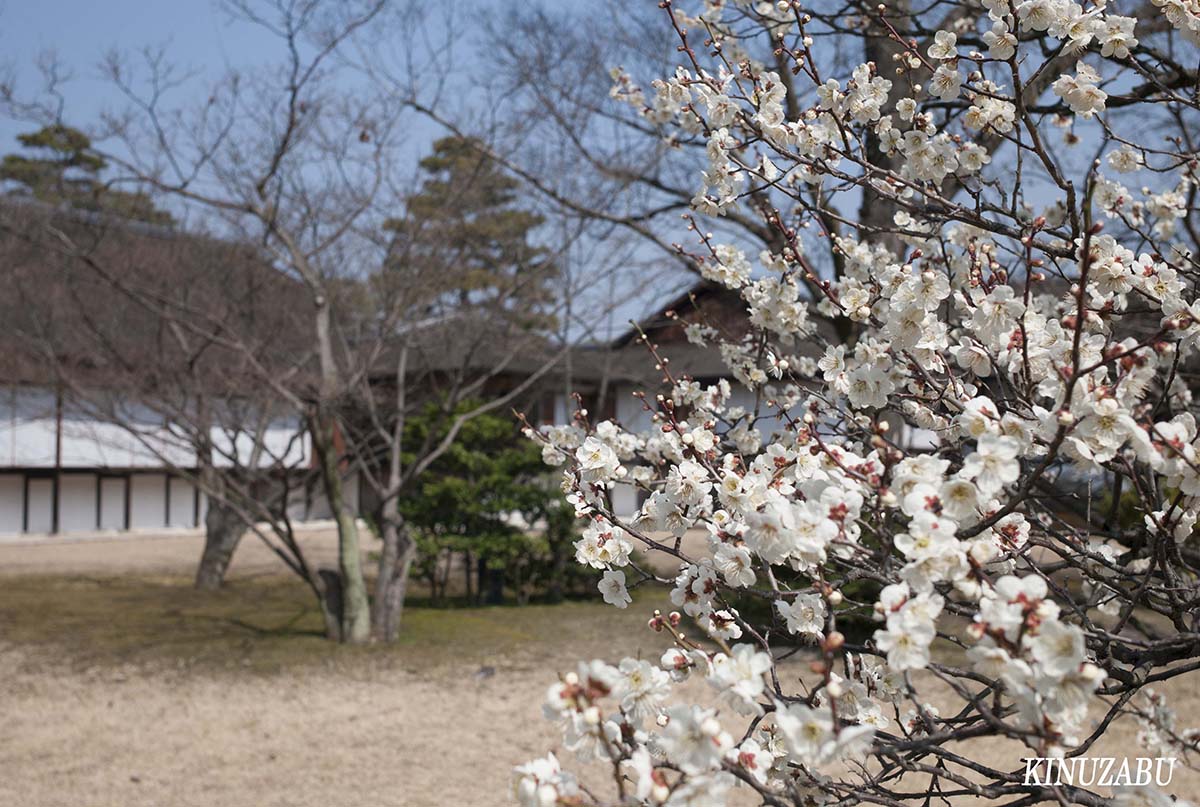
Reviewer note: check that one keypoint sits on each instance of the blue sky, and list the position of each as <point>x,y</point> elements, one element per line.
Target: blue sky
<point>199,38</point>
<point>196,33</point>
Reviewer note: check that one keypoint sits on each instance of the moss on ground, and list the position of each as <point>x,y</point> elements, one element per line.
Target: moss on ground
<point>271,624</point>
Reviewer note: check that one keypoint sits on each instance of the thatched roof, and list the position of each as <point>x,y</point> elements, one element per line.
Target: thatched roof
<point>120,303</point>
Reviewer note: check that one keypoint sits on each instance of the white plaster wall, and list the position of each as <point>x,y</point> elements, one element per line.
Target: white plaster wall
<point>112,503</point>
<point>12,497</point>
<point>183,503</point>
<point>41,502</point>
<point>91,443</point>
<point>563,408</point>
<point>769,423</point>
<point>630,412</point>
<point>318,509</point>
<point>625,500</point>
<point>147,505</point>
<point>76,502</point>
<point>28,423</point>
<point>916,439</point>
<point>297,509</point>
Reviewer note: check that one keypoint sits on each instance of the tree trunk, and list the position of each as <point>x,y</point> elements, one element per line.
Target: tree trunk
<point>395,561</point>
<point>877,211</point>
<point>332,608</point>
<point>468,563</point>
<point>223,530</point>
<point>355,616</point>
<point>480,578</point>
<point>356,610</point>
<point>523,585</point>
<point>495,589</point>
<point>355,607</point>
<point>444,570</point>
<point>431,578</point>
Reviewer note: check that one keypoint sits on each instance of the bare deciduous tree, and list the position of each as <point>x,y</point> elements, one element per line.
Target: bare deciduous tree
<point>306,160</point>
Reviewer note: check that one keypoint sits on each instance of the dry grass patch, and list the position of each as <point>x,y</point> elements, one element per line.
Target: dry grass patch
<point>137,691</point>
<point>272,625</point>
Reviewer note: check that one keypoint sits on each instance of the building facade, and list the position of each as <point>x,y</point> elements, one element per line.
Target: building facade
<point>66,472</point>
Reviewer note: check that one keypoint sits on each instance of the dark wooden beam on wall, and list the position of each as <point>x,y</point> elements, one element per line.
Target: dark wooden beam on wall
<point>56,479</point>
<point>24,502</point>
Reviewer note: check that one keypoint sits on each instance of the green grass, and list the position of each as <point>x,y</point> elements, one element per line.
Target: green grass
<point>271,625</point>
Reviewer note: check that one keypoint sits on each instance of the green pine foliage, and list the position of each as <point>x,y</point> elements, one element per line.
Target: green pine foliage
<point>58,166</point>
<point>488,509</point>
<point>467,241</point>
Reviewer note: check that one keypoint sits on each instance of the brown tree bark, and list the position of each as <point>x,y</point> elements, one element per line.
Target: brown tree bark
<point>352,605</point>
<point>468,579</point>
<point>330,596</point>
<point>395,562</point>
<point>876,211</point>
<point>223,530</point>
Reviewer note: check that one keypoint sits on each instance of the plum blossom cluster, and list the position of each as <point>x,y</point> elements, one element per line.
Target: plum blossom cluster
<point>950,487</point>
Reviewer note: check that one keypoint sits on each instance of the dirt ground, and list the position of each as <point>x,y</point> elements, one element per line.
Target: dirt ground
<point>121,687</point>
<point>181,698</point>
<point>135,553</point>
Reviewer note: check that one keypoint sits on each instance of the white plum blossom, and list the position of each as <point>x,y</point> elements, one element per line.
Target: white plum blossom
<point>612,586</point>
<point>927,468</point>
<point>946,82</point>
<point>1057,648</point>
<point>910,626</point>
<point>602,546</point>
<point>804,615</point>
<point>943,46</point>
<point>810,738</point>
<point>730,268</point>
<point>1001,42</point>
<point>597,460</point>
<point>542,783</point>
<point>642,688</point>
<point>1081,91</point>
<point>736,565</point>
<point>694,740</point>
<point>994,463</point>
<point>739,677</point>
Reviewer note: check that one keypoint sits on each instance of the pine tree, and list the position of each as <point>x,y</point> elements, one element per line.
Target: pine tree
<point>63,169</point>
<point>466,243</point>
